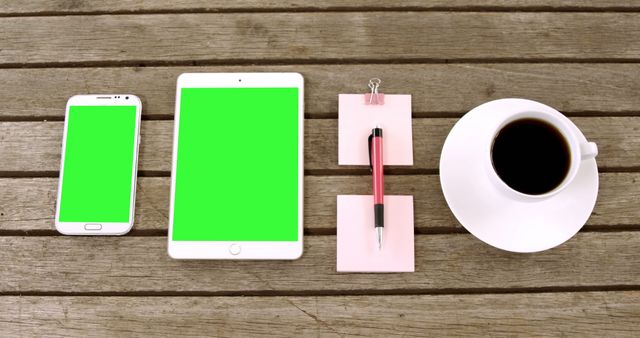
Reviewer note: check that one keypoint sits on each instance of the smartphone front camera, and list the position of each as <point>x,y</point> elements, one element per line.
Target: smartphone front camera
<point>126,97</point>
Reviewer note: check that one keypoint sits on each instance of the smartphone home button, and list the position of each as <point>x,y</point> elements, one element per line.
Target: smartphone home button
<point>234,249</point>
<point>93,226</point>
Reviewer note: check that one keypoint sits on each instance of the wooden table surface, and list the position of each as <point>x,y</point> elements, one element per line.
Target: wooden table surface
<point>582,58</point>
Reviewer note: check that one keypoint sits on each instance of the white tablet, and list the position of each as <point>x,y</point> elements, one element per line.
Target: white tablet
<point>237,175</point>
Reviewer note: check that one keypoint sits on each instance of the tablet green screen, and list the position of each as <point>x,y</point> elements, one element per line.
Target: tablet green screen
<point>98,164</point>
<point>236,174</point>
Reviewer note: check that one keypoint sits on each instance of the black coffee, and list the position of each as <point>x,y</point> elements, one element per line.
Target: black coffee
<point>531,156</point>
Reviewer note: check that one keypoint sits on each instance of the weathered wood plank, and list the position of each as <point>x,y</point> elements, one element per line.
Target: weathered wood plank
<point>437,89</point>
<point>304,37</point>
<point>29,204</point>
<point>127,6</point>
<point>36,146</point>
<point>443,262</point>
<point>586,314</point>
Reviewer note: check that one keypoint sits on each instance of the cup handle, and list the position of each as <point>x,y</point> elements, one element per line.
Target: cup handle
<point>588,150</point>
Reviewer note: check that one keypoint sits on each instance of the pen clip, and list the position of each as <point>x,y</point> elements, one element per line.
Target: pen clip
<point>369,142</point>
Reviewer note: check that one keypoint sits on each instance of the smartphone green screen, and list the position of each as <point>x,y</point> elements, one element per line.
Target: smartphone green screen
<point>98,164</point>
<point>236,173</point>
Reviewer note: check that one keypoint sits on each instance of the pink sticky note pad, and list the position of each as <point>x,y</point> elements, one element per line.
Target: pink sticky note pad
<point>356,119</point>
<point>357,244</point>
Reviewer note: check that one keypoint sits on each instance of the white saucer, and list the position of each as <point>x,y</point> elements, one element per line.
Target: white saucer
<point>494,217</point>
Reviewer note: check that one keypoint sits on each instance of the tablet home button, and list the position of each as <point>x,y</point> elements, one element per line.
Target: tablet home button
<point>93,226</point>
<point>234,249</point>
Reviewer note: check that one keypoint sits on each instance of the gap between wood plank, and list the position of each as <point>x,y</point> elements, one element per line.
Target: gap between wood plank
<point>356,171</point>
<point>323,116</point>
<point>315,62</point>
<point>595,228</point>
<point>330,293</point>
<point>342,9</point>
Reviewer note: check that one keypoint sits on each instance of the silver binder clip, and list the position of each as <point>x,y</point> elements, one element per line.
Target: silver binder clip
<point>374,97</point>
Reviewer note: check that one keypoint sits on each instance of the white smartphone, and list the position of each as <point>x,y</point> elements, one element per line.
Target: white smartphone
<point>99,165</point>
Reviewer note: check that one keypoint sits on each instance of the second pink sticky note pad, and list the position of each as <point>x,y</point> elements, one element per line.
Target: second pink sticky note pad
<point>357,246</point>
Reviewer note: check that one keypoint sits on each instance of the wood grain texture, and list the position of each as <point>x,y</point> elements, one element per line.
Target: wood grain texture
<point>36,146</point>
<point>126,6</point>
<point>582,58</point>
<point>443,262</point>
<point>437,89</point>
<point>308,37</point>
<point>28,204</point>
<point>584,314</point>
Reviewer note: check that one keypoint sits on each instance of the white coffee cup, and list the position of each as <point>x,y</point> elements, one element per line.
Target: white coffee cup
<point>507,111</point>
<point>494,212</point>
